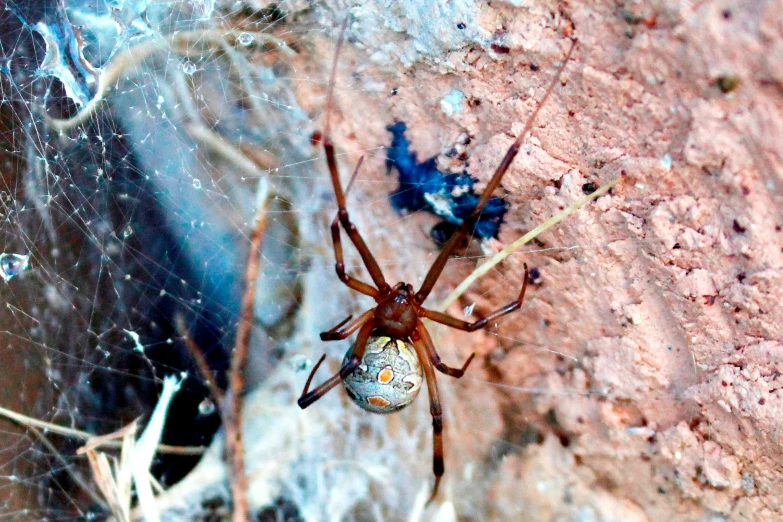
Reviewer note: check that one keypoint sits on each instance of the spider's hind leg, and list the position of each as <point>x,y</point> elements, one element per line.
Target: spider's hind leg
<point>436,410</point>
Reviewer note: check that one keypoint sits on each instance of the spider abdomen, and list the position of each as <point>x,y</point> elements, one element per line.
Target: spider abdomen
<point>388,377</point>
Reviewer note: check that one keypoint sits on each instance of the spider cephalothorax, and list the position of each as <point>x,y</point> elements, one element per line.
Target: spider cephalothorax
<point>396,314</point>
<point>382,372</point>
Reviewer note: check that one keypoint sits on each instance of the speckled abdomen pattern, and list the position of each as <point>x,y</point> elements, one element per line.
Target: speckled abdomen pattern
<point>388,378</point>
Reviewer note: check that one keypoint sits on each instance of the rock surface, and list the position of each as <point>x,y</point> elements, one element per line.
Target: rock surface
<point>641,379</point>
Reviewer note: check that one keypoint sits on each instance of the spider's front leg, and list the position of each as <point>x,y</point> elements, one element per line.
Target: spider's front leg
<point>339,266</point>
<point>459,324</point>
<point>309,397</point>
<point>342,216</point>
<point>467,224</point>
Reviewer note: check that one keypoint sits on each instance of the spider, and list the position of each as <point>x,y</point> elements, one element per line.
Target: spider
<point>382,371</point>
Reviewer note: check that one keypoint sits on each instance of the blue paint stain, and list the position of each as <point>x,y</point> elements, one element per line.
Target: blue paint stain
<point>448,196</point>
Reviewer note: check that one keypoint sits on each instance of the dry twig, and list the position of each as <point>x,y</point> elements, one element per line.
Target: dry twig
<point>201,362</point>
<point>232,416</point>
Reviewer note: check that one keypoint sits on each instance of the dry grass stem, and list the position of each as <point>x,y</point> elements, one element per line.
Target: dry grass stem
<point>146,447</point>
<point>251,167</point>
<point>503,254</point>
<point>29,422</point>
<point>108,486</point>
<point>77,477</point>
<point>180,42</point>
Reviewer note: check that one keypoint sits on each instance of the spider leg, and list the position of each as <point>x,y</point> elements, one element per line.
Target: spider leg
<point>342,213</point>
<point>309,397</point>
<point>435,410</point>
<point>336,333</point>
<point>433,356</point>
<point>467,224</point>
<point>459,324</point>
<point>339,265</point>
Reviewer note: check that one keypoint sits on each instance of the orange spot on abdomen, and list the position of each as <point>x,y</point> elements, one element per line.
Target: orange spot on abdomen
<point>386,375</point>
<point>378,401</point>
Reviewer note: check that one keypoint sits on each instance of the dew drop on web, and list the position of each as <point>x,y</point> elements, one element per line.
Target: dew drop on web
<point>245,39</point>
<point>189,67</point>
<point>11,265</point>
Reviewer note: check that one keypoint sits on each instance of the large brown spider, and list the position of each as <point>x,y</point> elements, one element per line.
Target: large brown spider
<point>382,371</point>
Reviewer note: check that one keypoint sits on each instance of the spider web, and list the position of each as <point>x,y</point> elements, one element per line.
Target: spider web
<point>135,136</point>
<point>123,123</point>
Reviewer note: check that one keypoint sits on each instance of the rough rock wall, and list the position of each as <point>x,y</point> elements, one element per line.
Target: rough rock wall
<point>640,380</point>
